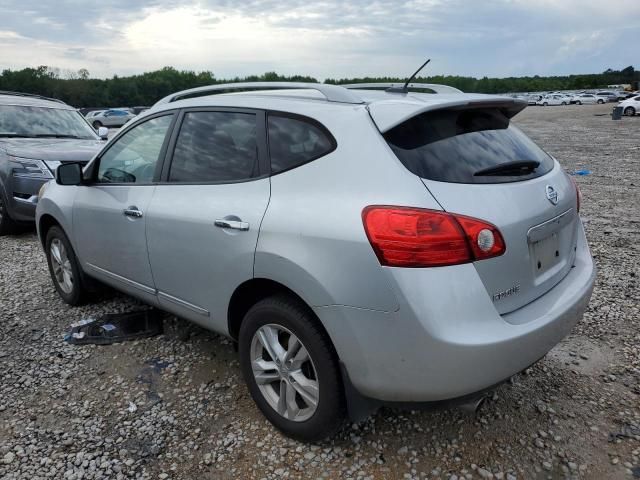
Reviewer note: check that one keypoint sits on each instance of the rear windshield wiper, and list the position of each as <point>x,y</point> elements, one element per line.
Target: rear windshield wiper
<point>518,167</point>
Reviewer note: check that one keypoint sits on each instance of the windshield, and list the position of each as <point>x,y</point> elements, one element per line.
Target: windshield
<point>35,122</point>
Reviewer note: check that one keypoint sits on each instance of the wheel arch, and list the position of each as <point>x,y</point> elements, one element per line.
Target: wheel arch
<point>44,225</point>
<point>252,291</point>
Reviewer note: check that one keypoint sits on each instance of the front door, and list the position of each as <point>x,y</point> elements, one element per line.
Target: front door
<point>110,212</point>
<point>204,218</point>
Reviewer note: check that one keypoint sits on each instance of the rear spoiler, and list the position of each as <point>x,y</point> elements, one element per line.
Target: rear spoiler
<point>387,114</point>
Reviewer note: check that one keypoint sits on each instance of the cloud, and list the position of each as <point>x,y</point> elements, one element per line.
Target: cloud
<point>327,38</point>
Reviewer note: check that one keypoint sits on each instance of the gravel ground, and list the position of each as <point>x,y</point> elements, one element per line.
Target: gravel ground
<point>175,406</point>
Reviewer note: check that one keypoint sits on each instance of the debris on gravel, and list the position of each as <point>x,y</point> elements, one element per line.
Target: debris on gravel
<point>174,406</point>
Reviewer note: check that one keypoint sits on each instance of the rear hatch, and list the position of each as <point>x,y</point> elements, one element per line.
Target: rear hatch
<point>475,162</point>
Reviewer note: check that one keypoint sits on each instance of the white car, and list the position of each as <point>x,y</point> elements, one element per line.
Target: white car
<point>630,106</point>
<point>602,97</point>
<point>93,114</point>
<point>584,98</point>
<point>553,100</point>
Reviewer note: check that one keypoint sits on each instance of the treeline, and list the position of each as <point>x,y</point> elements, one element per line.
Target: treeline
<point>80,90</point>
<point>517,84</point>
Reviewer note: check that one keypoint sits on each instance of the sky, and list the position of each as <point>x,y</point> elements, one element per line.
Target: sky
<point>323,39</point>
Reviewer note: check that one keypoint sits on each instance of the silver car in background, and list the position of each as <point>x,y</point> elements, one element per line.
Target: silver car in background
<point>362,246</point>
<point>112,118</point>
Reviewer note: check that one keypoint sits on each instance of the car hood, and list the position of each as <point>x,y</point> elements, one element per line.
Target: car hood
<point>53,149</point>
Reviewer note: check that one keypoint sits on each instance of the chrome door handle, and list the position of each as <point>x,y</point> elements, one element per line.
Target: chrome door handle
<point>233,224</point>
<point>132,212</point>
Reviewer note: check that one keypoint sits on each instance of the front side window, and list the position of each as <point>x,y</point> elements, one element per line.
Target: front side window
<point>40,122</point>
<point>215,147</point>
<point>134,156</point>
<point>295,141</point>
<point>457,146</point>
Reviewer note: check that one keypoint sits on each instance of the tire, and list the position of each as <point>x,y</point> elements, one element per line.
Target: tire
<point>630,111</point>
<point>579,102</point>
<point>601,102</point>
<point>7,224</point>
<point>97,124</point>
<point>64,266</point>
<point>564,103</point>
<point>279,319</point>
<point>545,104</point>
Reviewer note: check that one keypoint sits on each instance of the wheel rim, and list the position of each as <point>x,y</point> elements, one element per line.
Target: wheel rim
<point>61,265</point>
<point>284,372</point>
<point>629,111</point>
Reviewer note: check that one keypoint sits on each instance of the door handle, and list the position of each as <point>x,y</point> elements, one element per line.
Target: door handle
<point>232,224</point>
<point>132,212</point>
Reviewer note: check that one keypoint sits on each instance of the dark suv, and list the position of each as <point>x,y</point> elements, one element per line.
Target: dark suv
<point>36,135</point>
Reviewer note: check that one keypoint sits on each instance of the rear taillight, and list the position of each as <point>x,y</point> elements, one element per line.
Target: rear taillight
<point>578,193</point>
<point>415,237</point>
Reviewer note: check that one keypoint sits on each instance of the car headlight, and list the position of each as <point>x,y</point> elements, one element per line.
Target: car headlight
<point>29,168</point>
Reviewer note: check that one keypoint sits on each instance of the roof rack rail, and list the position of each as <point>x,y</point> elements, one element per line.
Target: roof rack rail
<point>32,95</point>
<point>415,86</point>
<point>333,93</point>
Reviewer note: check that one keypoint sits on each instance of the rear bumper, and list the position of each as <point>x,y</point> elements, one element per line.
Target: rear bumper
<point>447,339</point>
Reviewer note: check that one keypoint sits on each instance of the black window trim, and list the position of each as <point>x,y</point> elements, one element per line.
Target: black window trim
<point>261,143</point>
<point>91,174</point>
<point>305,119</point>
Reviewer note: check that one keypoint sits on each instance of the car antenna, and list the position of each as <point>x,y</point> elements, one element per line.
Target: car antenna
<point>405,87</point>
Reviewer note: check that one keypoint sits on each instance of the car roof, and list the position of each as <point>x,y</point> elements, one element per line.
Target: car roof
<point>387,108</point>
<point>29,100</point>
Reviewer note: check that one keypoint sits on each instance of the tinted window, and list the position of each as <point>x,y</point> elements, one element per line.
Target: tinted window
<point>133,157</point>
<point>215,147</point>
<point>452,145</point>
<point>294,141</point>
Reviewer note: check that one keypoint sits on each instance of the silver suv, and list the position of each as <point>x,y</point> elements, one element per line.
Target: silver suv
<point>362,246</point>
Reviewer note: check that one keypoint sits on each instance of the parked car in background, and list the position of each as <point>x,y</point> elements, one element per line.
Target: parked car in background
<point>584,98</point>
<point>630,106</point>
<point>111,118</point>
<point>335,250</point>
<point>91,115</point>
<point>556,99</point>
<point>533,99</point>
<point>605,96</point>
<point>36,135</point>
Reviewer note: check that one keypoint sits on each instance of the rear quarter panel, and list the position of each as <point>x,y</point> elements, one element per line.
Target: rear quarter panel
<point>312,237</point>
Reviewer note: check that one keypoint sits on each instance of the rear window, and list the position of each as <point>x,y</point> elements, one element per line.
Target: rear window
<point>454,145</point>
<point>294,141</point>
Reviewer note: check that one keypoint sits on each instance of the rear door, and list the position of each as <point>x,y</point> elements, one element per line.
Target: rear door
<point>463,157</point>
<point>109,214</point>
<point>204,218</point>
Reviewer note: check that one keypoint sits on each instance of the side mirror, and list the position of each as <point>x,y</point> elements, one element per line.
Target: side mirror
<point>69,174</point>
<point>103,133</point>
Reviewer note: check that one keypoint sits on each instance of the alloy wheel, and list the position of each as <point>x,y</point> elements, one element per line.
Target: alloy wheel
<point>61,265</point>
<point>284,372</point>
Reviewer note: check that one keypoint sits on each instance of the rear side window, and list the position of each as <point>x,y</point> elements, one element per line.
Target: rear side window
<point>215,147</point>
<point>294,141</point>
<point>454,145</point>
